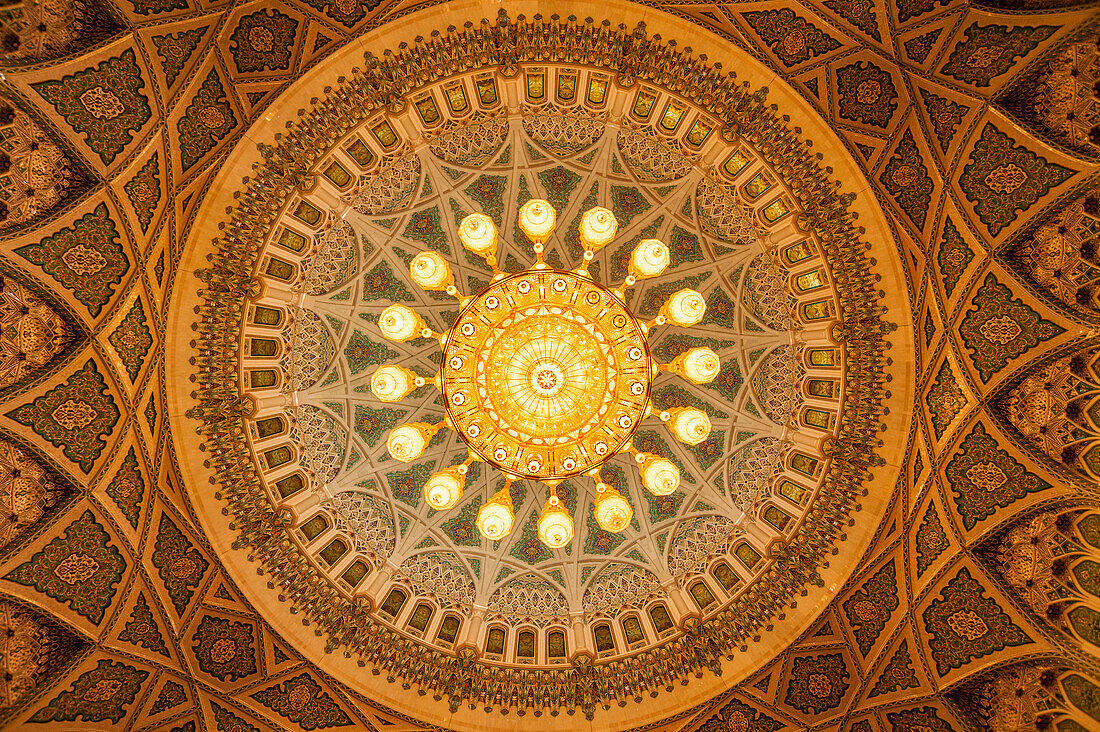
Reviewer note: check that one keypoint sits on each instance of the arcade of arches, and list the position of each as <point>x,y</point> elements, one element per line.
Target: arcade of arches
<point>891,211</point>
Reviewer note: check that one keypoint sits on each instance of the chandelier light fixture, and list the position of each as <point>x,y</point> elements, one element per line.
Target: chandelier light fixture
<point>545,374</point>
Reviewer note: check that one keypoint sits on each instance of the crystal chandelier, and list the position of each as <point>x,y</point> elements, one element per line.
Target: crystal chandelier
<point>545,374</point>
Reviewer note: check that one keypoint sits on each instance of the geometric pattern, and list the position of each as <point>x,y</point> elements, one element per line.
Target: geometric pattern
<point>79,568</point>
<point>1000,327</point>
<point>964,624</point>
<point>125,692</point>
<point>105,104</point>
<point>1002,178</point>
<point>74,416</point>
<point>85,258</point>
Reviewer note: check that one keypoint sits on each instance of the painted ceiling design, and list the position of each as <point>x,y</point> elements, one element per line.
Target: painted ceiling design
<point>759,508</point>
<point>343,426</point>
<point>976,605</point>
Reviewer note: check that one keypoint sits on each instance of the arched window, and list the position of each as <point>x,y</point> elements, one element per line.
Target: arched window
<point>724,575</point>
<point>448,629</point>
<point>632,630</point>
<point>288,486</point>
<point>394,602</point>
<point>494,641</point>
<point>267,316</point>
<point>354,574</point>
<point>662,621</point>
<point>525,645</point>
<point>332,553</point>
<point>555,644</point>
<point>278,456</point>
<point>279,269</point>
<point>263,347</point>
<point>314,527</point>
<point>421,614</point>
<point>269,427</point>
<point>605,641</point>
<point>702,595</point>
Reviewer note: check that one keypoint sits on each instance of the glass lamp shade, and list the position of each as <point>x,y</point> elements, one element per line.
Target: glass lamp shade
<point>407,442</point>
<point>555,524</point>
<point>685,308</point>
<point>689,425</point>
<point>660,476</point>
<point>430,271</point>
<point>393,383</point>
<point>597,228</point>
<point>697,365</point>
<point>613,512</point>
<point>399,323</point>
<point>649,259</point>
<point>478,234</point>
<point>444,489</point>
<point>494,519</point>
<point>537,220</point>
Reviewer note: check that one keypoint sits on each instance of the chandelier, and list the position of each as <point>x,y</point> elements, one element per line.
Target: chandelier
<point>545,374</point>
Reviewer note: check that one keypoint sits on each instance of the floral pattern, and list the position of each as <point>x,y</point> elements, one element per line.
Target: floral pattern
<point>869,607</point>
<point>906,178</point>
<point>789,36</point>
<point>85,258</point>
<point>97,695</point>
<point>74,416</point>
<point>988,51</point>
<point>964,624</point>
<point>984,478</point>
<point>1000,327</point>
<point>142,629</point>
<point>817,683</point>
<point>209,118</point>
<point>181,566</point>
<point>866,94</point>
<point>1002,179</point>
<point>263,40</point>
<point>79,568</point>
<point>143,190</point>
<point>105,104</point>
<point>303,702</point>
<point>127,488</point>
<point>224,649</point>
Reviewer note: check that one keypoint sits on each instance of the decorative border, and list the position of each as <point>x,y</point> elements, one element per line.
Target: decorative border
<point>384,83</point>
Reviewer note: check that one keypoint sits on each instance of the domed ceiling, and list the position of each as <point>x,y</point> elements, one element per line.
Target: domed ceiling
<point>889,210</point>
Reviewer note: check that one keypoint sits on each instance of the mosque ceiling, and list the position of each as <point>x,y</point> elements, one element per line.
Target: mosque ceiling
<point>960,592</point>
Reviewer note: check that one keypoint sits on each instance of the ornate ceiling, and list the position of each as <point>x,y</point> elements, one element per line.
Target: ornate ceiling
<point>893,525</point>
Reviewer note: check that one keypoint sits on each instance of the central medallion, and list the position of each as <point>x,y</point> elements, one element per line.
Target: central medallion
<point>546,374</point>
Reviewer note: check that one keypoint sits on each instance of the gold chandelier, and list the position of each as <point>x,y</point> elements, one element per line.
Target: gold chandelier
<point>545,374</point>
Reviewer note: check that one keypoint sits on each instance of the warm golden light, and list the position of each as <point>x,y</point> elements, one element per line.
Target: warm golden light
<point>689,425</point>
<point>399,323</point>
<point>649,259</point>
<point>597,228</point>
<point>612,511</point>
<point>407,442</point>
<point>393,383</point>
<point>478,234</point>
<point>555,524</point>
<point>660,476</point>
<point>532,367</point>
<point>685,308</point>
<point>697,365</point>
<point>444,489</point>
<point>537,220</point>
<point>431,272</point>
<point>494,519</point>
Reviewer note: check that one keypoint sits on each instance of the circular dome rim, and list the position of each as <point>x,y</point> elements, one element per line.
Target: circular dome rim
<point>197,478</point>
